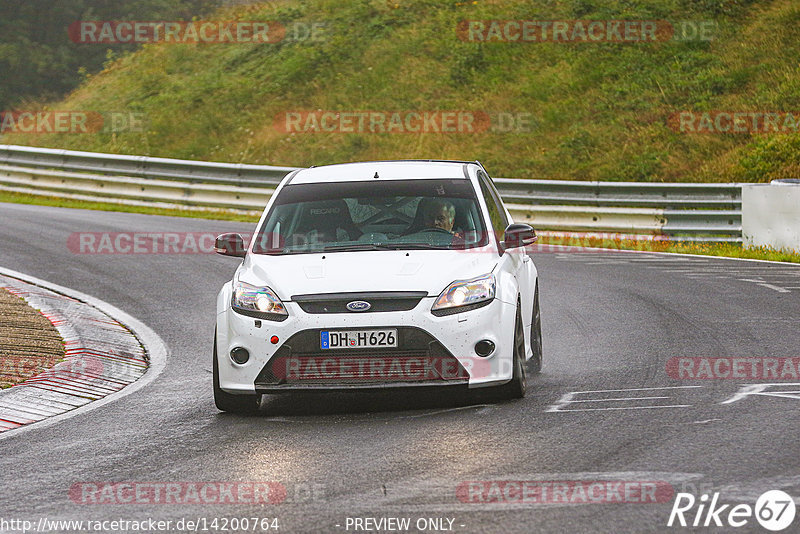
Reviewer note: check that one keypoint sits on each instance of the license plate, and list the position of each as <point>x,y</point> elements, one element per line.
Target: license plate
<point>358,339</point>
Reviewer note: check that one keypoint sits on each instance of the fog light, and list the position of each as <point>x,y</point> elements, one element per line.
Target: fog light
<point>484,348</point>
<point>240,355</point>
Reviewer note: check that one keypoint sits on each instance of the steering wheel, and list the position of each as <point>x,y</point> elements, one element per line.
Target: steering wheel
<point>435,229</point>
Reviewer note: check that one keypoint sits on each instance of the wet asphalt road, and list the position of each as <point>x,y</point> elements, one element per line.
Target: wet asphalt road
<point>612,321</point>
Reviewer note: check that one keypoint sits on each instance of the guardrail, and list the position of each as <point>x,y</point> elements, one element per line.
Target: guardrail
<point>691,211</point>
<point>142,166</point>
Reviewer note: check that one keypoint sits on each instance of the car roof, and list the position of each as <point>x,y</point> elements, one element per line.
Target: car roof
<point>385,170</point>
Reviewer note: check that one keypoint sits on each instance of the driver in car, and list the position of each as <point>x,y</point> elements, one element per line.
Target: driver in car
<point>439,214</point>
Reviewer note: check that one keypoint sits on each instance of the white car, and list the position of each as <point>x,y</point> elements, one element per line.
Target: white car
<point>378,275</point>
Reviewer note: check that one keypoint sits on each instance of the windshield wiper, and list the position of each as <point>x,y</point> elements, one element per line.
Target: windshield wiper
<point>411,246</point>
<point>356,247</point>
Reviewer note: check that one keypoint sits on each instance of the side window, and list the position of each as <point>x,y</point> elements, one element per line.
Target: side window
<point>498,199</point>
<point>496,213</point>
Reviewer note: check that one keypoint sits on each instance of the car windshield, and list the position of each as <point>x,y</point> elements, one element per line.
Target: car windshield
<point>389,215</point>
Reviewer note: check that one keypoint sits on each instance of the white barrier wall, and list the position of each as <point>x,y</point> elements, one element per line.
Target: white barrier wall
<point>771,215</point>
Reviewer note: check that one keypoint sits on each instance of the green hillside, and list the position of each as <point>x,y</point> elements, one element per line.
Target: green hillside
<point>589,110</point>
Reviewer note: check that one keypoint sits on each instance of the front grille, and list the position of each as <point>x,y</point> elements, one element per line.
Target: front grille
<point>380,302</point>
<point>419,360</point>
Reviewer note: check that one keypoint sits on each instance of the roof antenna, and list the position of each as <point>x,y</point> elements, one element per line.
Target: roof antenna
<point>376,175</point>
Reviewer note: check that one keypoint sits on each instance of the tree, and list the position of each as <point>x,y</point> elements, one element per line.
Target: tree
<point>39,61</point>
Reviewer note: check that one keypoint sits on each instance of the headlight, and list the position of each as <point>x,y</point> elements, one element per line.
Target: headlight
<point>466,293</point>
<point>255,301</point>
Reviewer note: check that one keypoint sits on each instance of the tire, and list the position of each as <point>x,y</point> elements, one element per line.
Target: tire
<point>535,363</point>
<point>515,389</point>
<point>242,404</point>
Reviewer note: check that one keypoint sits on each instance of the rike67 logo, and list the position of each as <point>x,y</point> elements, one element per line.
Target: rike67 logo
<point>774,510</point>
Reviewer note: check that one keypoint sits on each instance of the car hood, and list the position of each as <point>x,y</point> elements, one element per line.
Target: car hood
<point>350,272</point>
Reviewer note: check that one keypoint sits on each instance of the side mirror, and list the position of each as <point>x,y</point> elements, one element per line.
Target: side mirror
<point>519,235</point>
<point>230,245</point>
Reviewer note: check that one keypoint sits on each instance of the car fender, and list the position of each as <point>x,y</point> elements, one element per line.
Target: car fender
<point>507,289</point>
<point>223,303</point>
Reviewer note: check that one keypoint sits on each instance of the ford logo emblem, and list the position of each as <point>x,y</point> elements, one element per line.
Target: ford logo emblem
<point>358,306</point>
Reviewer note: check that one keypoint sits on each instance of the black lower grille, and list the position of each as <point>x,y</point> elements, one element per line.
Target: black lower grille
<point>419,360</point>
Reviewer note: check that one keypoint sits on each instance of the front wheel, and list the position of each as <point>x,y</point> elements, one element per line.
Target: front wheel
<point>515,389</point>
<point>242,404</point>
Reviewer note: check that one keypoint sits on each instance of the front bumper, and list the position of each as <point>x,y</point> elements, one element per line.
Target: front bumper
<point>432,351</point>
